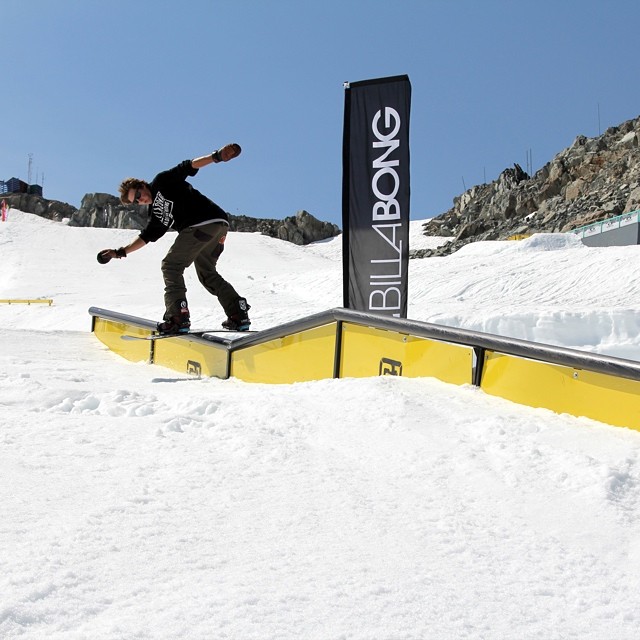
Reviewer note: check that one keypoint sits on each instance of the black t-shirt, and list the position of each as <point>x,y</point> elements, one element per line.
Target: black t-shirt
<point>177,205</point>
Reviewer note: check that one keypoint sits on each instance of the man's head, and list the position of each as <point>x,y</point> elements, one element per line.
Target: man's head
<point>134,191</point>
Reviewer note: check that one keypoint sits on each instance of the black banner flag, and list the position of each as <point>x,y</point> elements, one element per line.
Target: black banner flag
<point>375,195</point>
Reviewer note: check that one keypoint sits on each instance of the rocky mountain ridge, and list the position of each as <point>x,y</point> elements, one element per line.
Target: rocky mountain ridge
<point>105,210</point>
<point>593,179</point>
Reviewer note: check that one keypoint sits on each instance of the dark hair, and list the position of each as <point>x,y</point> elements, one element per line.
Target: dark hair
<point>126,185</point>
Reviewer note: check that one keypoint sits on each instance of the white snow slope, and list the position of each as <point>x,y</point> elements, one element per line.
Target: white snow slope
<point>140,504</point>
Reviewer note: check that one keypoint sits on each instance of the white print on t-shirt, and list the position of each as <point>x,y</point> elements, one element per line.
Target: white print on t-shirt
<point>162,209</point>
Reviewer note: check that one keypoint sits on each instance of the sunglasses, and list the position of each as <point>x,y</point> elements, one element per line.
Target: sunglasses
<point>138,194</point>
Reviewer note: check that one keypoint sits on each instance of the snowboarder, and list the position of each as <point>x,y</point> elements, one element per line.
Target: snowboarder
<point>201,225</point>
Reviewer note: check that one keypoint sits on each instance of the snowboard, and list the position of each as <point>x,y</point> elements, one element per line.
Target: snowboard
<point>161,336</point>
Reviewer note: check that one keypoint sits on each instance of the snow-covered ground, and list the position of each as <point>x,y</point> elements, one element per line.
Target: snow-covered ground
<point>137,503</point>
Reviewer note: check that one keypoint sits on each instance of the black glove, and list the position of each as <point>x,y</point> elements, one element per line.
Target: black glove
<point>226,153</point>
<point>106,254</point>
<point>103,256</point>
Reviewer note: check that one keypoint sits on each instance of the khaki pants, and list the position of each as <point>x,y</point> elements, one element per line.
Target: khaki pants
<point>199,246</point>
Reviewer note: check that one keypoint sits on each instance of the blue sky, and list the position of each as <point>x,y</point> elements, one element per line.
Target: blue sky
<point>99,90</point>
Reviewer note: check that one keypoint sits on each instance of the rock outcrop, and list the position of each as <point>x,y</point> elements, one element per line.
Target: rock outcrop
<point>105,210</point>
<point>593,179</point>
<point>50,209</point>
<point>300,229</point>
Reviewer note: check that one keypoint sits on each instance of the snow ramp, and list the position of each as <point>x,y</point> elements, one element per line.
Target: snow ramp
<point>343,343</point>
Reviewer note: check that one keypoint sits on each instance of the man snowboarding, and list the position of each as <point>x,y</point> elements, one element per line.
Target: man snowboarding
<point>202,227</point>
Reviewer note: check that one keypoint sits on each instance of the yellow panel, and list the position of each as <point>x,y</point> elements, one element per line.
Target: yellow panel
<point>27,301</point>
<point>307,355</point>
<point>371,352</point>
<point>109,332</point>
<point>190,354</point>
<point>609,399</point>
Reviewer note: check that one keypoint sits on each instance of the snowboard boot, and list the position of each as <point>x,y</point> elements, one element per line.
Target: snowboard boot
<point>176,323</point>
<point>239,321</point>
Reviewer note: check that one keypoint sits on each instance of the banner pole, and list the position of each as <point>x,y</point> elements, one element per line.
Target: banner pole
<point>346,178</point>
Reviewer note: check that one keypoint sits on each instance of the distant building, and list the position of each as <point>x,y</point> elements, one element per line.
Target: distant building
<point>15,185</point>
